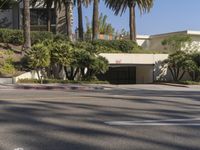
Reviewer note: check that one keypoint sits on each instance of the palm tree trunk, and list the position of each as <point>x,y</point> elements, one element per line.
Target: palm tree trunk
<point>68,15</point>
<point>95,24</point>
<point>26,28</point>
<point>48,17</point>
<point>132,22</point>
<point>80,19</point>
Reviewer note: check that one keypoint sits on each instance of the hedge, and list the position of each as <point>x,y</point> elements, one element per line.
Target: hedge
<point>125,46</point>
<point>15,37</point>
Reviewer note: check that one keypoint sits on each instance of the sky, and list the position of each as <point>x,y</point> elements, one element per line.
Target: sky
<point>165,16</point>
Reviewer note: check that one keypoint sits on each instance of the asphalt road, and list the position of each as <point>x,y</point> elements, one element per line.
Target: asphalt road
<point>137,117</point>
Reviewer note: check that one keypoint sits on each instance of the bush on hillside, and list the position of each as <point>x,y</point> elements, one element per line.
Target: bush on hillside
<point>15,37</point>
<point>6,64</point>
<point>39,36</point>
<point>125,46</point>
<point>11,36</point>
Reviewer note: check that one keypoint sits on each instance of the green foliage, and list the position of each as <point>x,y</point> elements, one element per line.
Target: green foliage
<point>124,46</point>
<point>60,53</point>
<point>183,59</point>
<point>38,58</point>
<point>48,81</point>
<point>181,62</point>
<point>6,63</point>
<point>15,37</point>
<point>104,26</point>
<point>176,42</point>
<point>60,37</point>
<point>39,36</point>
<point>11,36</point>
<point>100,65</point>
<point>190,82</point>
<point>177,64</point>
<point>7,69</point>
<point>194,70</point>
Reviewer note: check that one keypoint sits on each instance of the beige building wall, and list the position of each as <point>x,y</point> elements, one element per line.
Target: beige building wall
<point>144,74</point>
<point>154,42</point>
<point>149,67</point>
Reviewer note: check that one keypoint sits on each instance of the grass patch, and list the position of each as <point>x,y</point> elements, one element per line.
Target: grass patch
<point>190,82</point>
<point>51,81</point>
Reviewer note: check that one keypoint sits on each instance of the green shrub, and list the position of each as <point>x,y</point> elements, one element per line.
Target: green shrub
<point>11,36</point>
<point>7,69</point>
<point>39,36</point>
<point>49,81</point>
<point>190,82</point>
<point>15,37</point>
<point>125,46</point>
<point>6,63</point>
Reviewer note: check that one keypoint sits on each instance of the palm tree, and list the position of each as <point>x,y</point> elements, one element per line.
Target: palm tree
<point>80,15</point>
<point>80,18</point>
<point>95,20</point>
<point>68,14</point>
<point>26,28</point>
<point>121,5</point>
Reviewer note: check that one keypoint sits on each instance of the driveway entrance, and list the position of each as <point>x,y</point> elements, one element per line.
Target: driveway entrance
<point>121,75</point>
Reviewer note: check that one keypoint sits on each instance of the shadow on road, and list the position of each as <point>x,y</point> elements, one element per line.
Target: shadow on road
<point>67,125</point>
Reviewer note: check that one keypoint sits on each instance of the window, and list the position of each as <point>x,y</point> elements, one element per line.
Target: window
<point>39,16</point>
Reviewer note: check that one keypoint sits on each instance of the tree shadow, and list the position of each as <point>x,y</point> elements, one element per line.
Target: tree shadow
<point>50,125</point>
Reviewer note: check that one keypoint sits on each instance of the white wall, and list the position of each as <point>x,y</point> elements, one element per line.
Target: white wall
<point>125,58</point>
<point>27,75</point>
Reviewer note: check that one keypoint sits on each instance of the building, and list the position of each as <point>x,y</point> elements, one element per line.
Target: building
<point>13,18</point>
<point>136,68</point>
<point>145,68</point>
<point>124,68</point>
<point>154,42</point>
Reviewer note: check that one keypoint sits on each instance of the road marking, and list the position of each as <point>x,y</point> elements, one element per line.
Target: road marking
<point>162,122</point>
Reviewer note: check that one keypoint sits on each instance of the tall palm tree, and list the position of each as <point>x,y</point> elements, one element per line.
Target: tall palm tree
<point>26,28</point>
<point>68,14</point>
<point>80,15</point>
<point>80,18</point>
<point>95,20</point>
<point>121,5</point>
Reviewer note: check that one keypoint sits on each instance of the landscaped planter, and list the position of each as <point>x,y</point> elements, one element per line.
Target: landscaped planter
<point>4,80</point>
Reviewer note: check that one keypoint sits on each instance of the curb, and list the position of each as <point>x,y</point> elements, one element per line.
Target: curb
<point>175,85</point>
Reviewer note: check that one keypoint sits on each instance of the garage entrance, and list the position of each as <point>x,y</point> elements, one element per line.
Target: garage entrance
<point>121,75</point>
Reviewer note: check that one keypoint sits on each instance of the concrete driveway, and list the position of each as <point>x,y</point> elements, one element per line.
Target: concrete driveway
<point>128,117</point>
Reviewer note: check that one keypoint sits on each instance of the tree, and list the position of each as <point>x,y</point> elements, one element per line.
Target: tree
<point>194,71</point>
<point>104,26</point>
<point>121,5</point>
<point>39,58</point>
<point>68,14</point>
<point>26,28</point>
<point>177,43</point>
<point>61,55</point>
<point>177,63</point>
<point>80,18</point>
<point>95,20</point>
